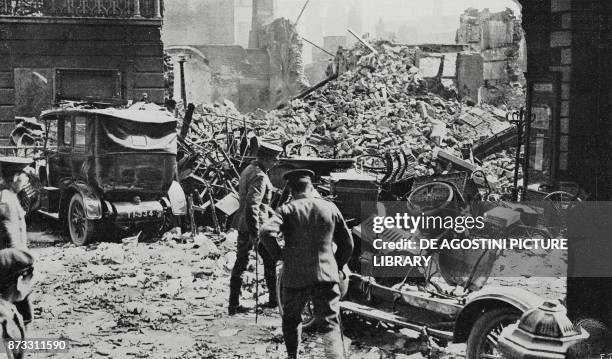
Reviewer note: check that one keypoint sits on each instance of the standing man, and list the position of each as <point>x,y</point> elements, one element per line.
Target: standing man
<point>12,213</point>
<point>310,225</point>
<point>255,194</point>
<point>13,231</point>
<point>329,71</point>
<point>341,66</point>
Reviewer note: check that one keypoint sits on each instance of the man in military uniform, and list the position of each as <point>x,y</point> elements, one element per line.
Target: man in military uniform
<point>310,226</point>
<point>16,272</point>
<point>13,180</point>
<point>255,194</point>
<point>13,231</point>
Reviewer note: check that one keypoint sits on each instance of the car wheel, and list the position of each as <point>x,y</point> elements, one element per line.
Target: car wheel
<point>484,336</point>
<point>82,230</point>
<point>307,312</point>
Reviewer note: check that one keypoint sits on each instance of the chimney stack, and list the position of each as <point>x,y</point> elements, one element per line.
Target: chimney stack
<point>263,13</point>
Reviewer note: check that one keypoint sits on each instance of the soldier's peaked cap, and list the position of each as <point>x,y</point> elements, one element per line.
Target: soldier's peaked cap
<point>266,148</point>
<point>299,174</point>
<point>13,261</point>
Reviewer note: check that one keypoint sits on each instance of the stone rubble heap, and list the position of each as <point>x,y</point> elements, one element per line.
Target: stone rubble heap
<point>381,102</point>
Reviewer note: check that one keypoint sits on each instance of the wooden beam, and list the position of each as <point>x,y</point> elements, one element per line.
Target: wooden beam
<point>318,47</point>
<point>361,40</point>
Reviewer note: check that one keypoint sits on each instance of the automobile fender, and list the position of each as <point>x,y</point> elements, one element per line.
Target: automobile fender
<point>177,198</point>
<point>91,200</point>
<point>489,298</point>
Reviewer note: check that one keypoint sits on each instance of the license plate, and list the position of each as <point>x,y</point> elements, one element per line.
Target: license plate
<point>144,214</point>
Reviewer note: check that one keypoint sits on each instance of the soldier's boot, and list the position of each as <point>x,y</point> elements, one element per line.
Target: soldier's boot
<point>272,299</point>
<point>234,299</point>
<point>292,333</point>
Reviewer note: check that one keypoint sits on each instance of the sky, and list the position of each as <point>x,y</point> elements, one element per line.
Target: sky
<point>428,20</point>
<point>388,8</point>
<point>373,9</point>
<point>418,21</point>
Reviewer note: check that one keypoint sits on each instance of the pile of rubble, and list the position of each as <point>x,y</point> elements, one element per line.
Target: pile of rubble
<point>380,103</point>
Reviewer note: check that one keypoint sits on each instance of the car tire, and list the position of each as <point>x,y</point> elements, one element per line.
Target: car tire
<point>485,333</point>
<point>81,230</point>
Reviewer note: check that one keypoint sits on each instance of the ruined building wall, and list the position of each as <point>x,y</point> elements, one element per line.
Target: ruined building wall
<point>284,46</point>
<point>498,37</point>
<point>214,73</point>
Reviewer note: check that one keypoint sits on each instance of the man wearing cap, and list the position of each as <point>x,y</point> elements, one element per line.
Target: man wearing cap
<point>13,231</point>
<point>255,194</point>
<point>310,226</point>
<point>16,272</point>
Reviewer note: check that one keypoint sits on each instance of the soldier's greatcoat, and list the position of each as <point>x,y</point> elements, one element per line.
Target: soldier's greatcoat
<point>310,225</point>
<point>255,193</point>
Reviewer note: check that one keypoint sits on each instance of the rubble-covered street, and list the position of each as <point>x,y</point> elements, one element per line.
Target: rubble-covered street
<point>425,170</point>
<point>168,299</point>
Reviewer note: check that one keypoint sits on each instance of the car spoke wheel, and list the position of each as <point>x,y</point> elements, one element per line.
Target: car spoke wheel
<point>81,229</point>
<point>484,336</point>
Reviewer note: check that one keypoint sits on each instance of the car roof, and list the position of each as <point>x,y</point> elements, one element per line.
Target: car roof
<point>138,112</point>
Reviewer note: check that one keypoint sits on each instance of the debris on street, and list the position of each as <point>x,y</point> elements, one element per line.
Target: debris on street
<point>136,297</point>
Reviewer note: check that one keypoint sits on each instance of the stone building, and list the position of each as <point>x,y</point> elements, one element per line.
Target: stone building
<point>263,75</point>
<point>54,50</point>
<point>223,72</point>
<point>498,38</point>
<point>570,92</point>
<point>569,51</point>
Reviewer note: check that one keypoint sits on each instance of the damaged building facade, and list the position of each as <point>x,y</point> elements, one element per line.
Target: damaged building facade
<point>485,64</point>
<point>262,75</point>
<point>499,39</point>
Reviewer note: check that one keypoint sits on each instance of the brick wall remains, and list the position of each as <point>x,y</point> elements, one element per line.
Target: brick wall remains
<point>214,73</point>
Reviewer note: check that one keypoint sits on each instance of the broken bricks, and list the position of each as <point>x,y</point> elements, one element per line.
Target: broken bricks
<point>380,103</point>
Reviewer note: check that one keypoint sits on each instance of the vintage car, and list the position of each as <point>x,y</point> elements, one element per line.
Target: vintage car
<point>447,301</point>
<point>110,168</point>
